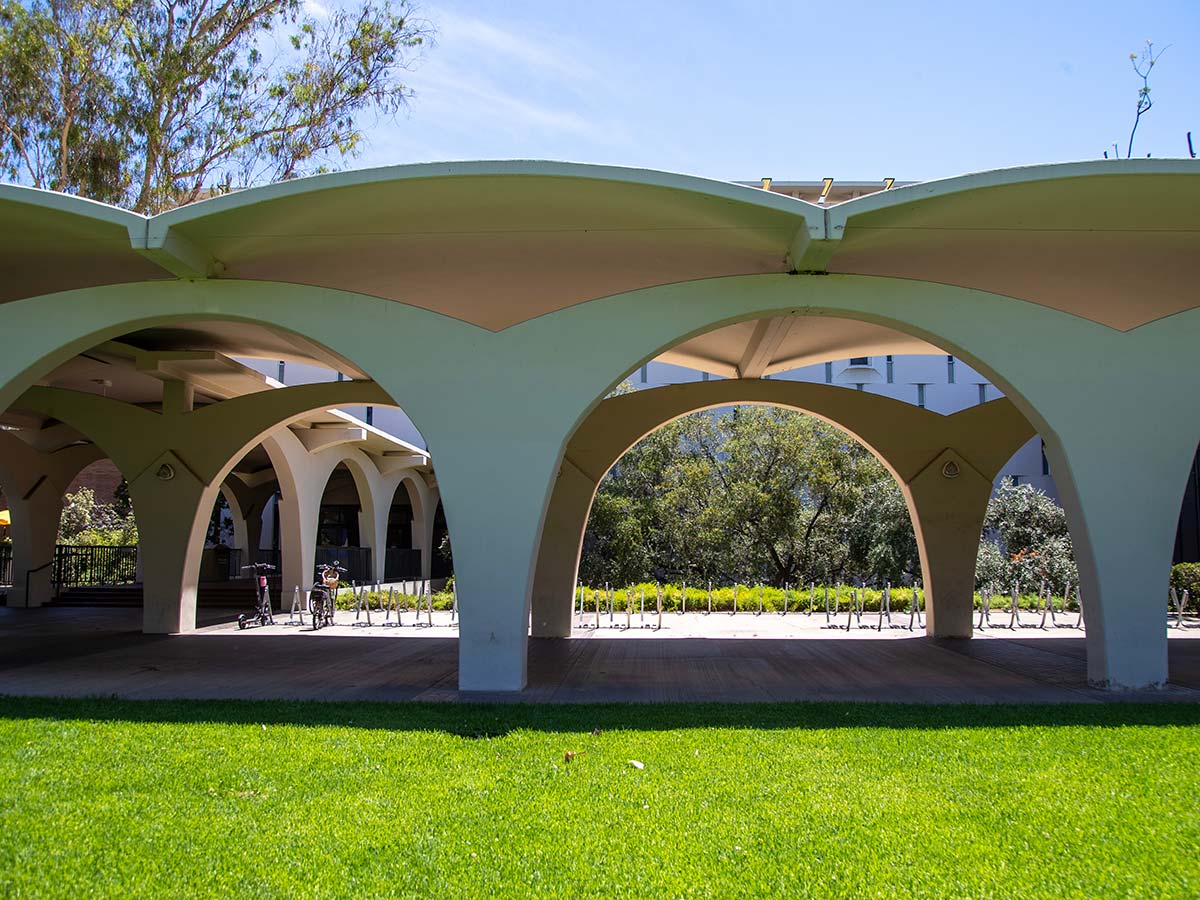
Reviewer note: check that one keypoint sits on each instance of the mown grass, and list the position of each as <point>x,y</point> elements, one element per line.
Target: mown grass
<point>108,798</point>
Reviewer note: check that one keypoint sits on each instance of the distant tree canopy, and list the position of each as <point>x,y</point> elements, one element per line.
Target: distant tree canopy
<point>756,493</point>
<point>753,494</point>
<point>1027,541</point>
<point>150,104</point>
<point>84,521</point>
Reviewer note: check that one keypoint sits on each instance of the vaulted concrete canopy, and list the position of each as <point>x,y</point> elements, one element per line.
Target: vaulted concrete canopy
<point>1106,240</point>
<point>55,242</point>
<point>1114,241</point>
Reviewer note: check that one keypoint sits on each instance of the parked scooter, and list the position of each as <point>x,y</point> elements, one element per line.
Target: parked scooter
<point>262,611</point>
<point>322,599</point>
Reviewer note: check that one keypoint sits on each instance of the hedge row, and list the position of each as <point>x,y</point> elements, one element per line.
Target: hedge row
<point>1185,576</point>
<point>442,600</point>
<point>798,599</point>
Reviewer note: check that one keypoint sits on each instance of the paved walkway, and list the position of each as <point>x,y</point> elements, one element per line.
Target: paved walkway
<point>82,652</point>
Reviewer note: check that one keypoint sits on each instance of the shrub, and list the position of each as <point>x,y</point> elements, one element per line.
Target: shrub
<point>1186,577</point>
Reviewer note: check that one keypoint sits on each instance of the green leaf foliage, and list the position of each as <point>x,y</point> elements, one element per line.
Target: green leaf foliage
<point>749,493</point>
<point>151,104</point>
<point>758,493</point>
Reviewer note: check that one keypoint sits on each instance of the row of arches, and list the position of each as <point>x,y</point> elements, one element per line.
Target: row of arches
<point>499,442</point>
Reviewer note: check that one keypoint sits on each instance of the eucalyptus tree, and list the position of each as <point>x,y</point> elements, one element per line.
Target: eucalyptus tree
<point>151,104</point>
<point>748,493</point>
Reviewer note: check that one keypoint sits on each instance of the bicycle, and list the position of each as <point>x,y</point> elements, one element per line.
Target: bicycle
<point>322,599</point>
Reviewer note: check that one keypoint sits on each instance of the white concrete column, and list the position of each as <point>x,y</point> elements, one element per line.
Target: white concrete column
<point>301,485</point>
<point>423,530</point>
<point>241,532</point>
<point>1122,488</point>
<point>34,482</point>
<point>948,502</point>
<point>372,526</point>
<point>173,509</point>
<point>34,531</point>
<point>559,553</point>
<point>388,485</point>
<point>494,506</point>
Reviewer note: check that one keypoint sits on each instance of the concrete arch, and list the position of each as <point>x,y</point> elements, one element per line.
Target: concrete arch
<point>241,540</point>
<point>420,498</point>
<point>528,387</point>
<point>34,483</point>
<point>303,475</point>
<point>368,487</point>
<point>915,445</point>
<point>91,316</point>
<point>251,498</point>
<point>177,460</point>
<point>1054,366</point>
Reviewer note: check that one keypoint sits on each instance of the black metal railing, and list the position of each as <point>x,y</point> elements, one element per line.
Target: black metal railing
<point>355,560</point>
<point>401,564</point>
<point>80,566</point>
<point>6,564</point>
<point>227,564</point>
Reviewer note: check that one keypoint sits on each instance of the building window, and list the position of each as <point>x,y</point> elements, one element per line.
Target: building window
<point>829,373</point>
<point>1015,479</point>
<point>891,364</point>
<point>341,376</point>
<point>704,376</point>
<point>860,361</point>
<point>950,369</point>
<point>281,367</point>
<point>983,393</point>
<point>370,415</point>
<point>645,373</point>
<point>921,396</point>
<point>1045,462</point>
<point>337,526</point>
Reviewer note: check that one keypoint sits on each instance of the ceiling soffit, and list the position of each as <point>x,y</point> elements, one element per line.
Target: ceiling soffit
<point>806,340</point>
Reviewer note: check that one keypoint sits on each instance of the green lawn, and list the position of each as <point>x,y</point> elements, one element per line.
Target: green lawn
<point>183,799</point>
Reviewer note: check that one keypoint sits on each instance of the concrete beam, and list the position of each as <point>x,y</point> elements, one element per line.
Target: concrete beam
<point>178,255</point>
<point>763,344</point>
<point>317,439</point>
<point>812,246</point>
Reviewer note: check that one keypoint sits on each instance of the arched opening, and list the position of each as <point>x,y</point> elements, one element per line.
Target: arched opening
<point>339,532</point>
<point>70,524</point>
<point>748,495</point>
<point>917,436</point>
<point>194,418</point>
<point>410,530</point>
<point>442,560</point>
<point>1185,562</point>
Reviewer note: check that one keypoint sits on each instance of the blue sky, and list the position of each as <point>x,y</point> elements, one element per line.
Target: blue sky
<point>739,90</point>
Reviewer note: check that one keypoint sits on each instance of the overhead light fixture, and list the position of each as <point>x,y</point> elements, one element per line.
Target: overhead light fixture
<point>826,186</point>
